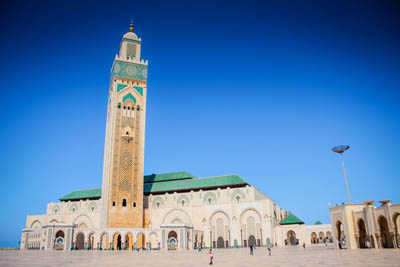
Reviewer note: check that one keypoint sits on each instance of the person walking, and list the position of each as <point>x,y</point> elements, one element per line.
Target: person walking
<point>211,257</point>
<point>251,250</point>
<point>269,251</point>
<point>304,245</point>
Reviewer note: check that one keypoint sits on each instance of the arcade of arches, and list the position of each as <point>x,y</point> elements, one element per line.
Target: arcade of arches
<point>372,227</point>
<point>114,241</point>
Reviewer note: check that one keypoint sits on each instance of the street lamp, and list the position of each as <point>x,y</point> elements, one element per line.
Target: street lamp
<point>340,150</point>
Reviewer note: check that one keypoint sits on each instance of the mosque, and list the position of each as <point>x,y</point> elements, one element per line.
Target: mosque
<point>170,211</point>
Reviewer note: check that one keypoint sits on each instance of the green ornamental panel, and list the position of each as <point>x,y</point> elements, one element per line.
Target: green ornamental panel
<point>139,89</point>
<point>129,70</point>
<point>120,87</point>
<point>123,86</point>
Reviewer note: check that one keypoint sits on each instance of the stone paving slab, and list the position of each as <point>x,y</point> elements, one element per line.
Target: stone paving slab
<point>282,257</point>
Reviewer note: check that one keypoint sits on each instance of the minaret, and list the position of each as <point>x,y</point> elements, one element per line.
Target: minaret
<point>122,188</point>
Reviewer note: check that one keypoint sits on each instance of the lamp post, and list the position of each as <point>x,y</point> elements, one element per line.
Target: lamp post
<point>340,150</point>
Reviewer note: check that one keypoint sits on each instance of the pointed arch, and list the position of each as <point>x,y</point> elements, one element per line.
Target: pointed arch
<point>129,96</point>
<point>36,224</point>
<point>219,211</point>
<point>83,219</point>
<point>174,213</point>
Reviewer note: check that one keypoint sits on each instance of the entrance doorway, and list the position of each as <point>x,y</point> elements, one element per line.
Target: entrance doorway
<point>220,242</point>
<point>386,240</point>
<point>314,238</point>
<point>172,240</point>
<point>141,241</point>
<point>252,240</point>
<point>119,242</point>
<point>291,237</point>
<point>59,241</point>
<point>363,234</point>
<point>80,241</point>
<point>340,234</point>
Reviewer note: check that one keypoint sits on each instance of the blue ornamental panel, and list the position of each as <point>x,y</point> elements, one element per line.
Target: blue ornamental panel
<point>129,70</point>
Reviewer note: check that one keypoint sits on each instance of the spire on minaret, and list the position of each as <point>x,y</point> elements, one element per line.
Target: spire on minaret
<point>131,26</point>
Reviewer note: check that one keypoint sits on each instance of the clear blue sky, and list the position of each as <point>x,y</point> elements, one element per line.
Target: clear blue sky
<point>261,89</point>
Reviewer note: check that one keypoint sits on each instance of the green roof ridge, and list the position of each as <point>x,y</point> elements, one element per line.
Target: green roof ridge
<point>83,193</point>
<point>317,223</point>
<point>291,219</point>
<point>167,185</point>
<point>154,178</point>
<point>207,182</point>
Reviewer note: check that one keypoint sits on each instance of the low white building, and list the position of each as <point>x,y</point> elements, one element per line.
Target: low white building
<point>292,231</point>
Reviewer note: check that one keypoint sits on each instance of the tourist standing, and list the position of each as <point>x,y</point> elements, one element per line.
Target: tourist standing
<point>211,257</point>
<point>251,250</point>
<point>269,251</point>
<point>304,245</point>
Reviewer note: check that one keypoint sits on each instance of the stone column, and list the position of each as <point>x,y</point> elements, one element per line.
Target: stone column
<point>50,240</point>
<point>163,240</point>
<point>378,243</point>
<point>357,236</point>
<point>393,236</point>
<point>182,239</point>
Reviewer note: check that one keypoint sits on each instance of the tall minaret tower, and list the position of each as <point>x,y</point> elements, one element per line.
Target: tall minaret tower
<point>122,189</point>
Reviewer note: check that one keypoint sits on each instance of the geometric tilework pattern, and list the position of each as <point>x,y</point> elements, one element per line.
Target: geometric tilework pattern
<point>129,70</point>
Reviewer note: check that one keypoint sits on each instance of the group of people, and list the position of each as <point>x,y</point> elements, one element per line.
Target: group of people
<point>252,248</point>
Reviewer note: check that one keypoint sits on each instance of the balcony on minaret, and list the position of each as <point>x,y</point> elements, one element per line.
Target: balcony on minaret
<point>127,136</point>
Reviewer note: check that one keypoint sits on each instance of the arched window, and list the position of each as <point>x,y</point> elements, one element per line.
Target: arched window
<point>124,202</point>
<point>183,202</point>
<point>138,108</point>
<point>114,203</point>
<point>119,105</point>
<point>129,108</point>
<point>134,204</point>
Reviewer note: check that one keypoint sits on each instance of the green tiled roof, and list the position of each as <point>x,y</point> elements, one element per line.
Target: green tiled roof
<point>167,183</point>
<point>155,178</point>
<point>291,219</point>
<point>179,185</point>
<point>83,194</point>
<point>317,223</point>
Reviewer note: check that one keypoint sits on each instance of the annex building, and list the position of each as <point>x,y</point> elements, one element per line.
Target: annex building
<point>159,211</point>
<point>367,226</point>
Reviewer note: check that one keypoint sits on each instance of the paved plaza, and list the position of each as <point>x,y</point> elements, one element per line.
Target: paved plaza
<point>287,256</point>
